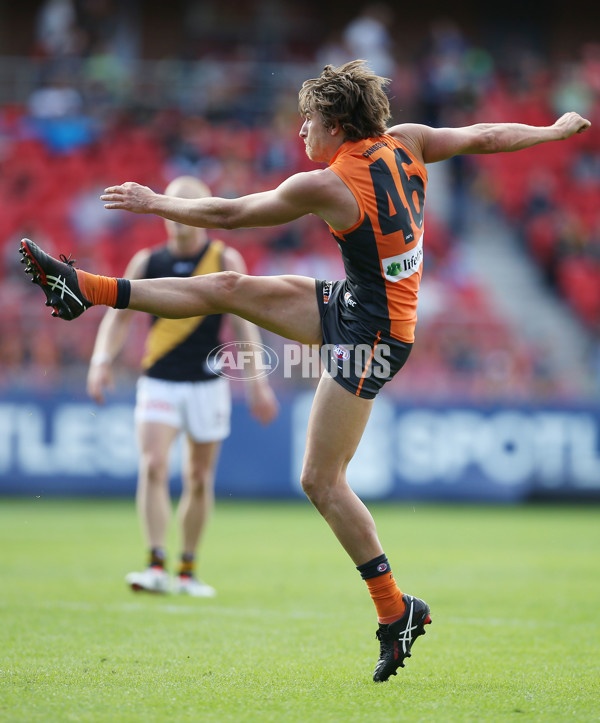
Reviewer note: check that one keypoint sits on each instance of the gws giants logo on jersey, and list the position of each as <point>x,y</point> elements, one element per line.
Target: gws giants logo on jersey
<point>403,265</point>
<point>339,352</point>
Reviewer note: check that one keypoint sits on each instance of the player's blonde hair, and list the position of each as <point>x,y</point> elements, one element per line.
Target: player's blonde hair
<point>350,94</point>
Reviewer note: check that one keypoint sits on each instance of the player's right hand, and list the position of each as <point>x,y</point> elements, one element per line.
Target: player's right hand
<point>129,196</point>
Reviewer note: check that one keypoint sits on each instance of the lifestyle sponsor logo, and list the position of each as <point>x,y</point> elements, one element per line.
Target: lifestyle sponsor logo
<point>403,265</point>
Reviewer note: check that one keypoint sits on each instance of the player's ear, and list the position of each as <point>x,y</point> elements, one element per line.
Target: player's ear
<point>334,128</point>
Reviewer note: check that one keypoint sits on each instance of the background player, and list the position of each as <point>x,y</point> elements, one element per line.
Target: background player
<point>178,392</point>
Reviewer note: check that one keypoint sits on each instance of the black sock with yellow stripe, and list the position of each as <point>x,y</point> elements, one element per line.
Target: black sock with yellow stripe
<point>158,557</point>
<point>186,565</point>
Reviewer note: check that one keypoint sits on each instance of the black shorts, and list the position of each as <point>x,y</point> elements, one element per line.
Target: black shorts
<point>359,358</point>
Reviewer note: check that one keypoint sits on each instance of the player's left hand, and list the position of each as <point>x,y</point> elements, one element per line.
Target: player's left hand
<point>128,196</point>
<point>571,123</point>
<point>100,378</point>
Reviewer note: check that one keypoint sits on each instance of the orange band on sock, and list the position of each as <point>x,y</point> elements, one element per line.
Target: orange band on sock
<point>387,597</point>
<point>98,289</point>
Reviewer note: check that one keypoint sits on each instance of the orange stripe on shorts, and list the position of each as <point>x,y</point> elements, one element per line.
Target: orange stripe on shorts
<point>368,364</point>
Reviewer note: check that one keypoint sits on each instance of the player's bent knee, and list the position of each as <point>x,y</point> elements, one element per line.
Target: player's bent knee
<point>312,485</point>
<point>322,486</point>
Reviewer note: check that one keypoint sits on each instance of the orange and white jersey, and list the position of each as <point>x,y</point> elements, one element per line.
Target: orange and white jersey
<point>383,251</point>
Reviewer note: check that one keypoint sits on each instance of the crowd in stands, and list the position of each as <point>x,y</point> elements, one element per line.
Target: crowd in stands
<point>72,139</point>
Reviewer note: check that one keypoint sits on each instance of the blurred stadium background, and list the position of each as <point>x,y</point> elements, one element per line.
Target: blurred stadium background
<point>501,398</point>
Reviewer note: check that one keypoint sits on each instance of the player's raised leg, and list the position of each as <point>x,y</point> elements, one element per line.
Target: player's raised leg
<point>285,305</point>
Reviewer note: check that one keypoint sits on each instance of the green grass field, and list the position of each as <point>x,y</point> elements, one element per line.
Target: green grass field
<point>514,594</point>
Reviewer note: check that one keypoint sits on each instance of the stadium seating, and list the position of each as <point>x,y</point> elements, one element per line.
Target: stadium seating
<point>550,195</point>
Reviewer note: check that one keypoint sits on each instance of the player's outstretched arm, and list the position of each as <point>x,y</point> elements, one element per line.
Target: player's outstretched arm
<point>438,144</point>
<point>297,196</point>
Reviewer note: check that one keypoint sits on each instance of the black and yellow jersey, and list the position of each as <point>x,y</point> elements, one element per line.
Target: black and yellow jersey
<point>177,349</point>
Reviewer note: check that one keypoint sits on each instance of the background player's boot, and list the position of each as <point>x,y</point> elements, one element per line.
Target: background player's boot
<point>192,586</point>
<point>152,579</point>
<point>396,639</point>
<point>57,279</point>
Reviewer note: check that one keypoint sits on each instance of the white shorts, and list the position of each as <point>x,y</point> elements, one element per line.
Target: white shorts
<point>202,409</point>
